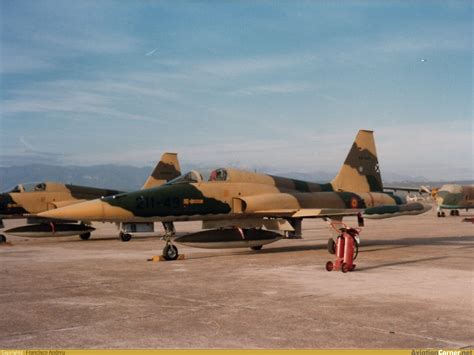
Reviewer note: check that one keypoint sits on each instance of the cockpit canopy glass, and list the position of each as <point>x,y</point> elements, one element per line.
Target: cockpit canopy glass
<point>190,177</point>
<point>194,176</point>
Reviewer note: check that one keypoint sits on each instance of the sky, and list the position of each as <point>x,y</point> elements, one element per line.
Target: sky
<point>276,85</point>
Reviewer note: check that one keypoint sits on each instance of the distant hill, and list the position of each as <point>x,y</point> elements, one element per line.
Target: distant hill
<point>124,177</point>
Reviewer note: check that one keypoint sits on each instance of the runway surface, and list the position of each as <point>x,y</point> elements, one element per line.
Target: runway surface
<point>412,288</point>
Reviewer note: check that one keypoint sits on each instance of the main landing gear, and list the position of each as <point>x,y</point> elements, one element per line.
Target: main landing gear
<point>125,237</point>
<point>85,236</point>
<point>3,239</point>
<point>451,213</point>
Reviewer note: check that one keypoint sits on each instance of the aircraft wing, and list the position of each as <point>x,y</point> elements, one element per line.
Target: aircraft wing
<point>309,212</point>
<point>379,212</point>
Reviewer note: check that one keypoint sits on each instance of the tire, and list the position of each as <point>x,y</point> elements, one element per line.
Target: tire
<point>256,248</point>
<point>329,266</point>
<point>443,214</point>
<point>85,236</point>
<point>125,237</point>
<point>3,239</point>
<point>331,246</point>
<point>170,252</point>
<point>344,268</point>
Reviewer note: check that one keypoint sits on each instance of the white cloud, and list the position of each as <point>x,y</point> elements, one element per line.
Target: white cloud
<point>253,65</point>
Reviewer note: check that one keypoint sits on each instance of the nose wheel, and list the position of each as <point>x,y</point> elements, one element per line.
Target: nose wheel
<point>170,252</point>
<point>3,239</point>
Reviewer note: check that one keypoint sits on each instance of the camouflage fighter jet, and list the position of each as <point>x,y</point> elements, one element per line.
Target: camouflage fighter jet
<point>235,205</point>
<point>27,200</point>
<point>453,197</point>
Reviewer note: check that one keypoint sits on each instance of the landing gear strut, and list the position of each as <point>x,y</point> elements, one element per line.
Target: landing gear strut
<point>296,223</point>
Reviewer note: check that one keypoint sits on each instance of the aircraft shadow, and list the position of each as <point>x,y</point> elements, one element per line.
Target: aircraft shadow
<point>463,241</point>
<point>378,266</point>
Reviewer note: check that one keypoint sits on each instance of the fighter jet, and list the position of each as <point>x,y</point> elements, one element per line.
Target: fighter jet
<point>453,197</point>
<point>235,205</point>
<point>27,200</point>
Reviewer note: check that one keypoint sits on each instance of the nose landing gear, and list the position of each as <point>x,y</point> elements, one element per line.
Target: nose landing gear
<point>170,251</point>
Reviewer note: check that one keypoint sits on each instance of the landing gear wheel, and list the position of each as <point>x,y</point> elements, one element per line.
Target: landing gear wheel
<point>345,268</point>
<point>439,214</point>
<point>331,246</point>
<point>3,239</point>
<point>85,236</point>
<point>258,247</point>
<point>456,212</point>
<point>170,252</point>
<point>125,237</point>
<point>452,213</point>
<point>329,266</point>
<point>443,214</point>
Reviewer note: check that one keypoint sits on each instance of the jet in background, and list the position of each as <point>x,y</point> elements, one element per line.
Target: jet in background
<point>453,197</point>
<point>235,205</point>
<point>27,200</point>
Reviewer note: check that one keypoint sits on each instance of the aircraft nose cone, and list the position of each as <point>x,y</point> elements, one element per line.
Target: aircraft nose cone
<point>95,210</point>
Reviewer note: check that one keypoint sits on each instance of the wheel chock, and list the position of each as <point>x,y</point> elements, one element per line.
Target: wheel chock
<point>157,258</point>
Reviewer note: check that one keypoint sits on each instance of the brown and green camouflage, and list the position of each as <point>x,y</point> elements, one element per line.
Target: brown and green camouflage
<point>237,198</point>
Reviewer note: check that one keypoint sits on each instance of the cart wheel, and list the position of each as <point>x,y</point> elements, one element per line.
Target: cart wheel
<point>329,266</point>
<point>344,267</point>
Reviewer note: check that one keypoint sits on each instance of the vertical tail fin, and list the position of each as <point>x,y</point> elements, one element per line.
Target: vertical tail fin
<point>360,172</point>
<point>166,169</point>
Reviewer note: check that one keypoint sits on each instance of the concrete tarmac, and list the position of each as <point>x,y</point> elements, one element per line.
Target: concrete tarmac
<point>412,288</point>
